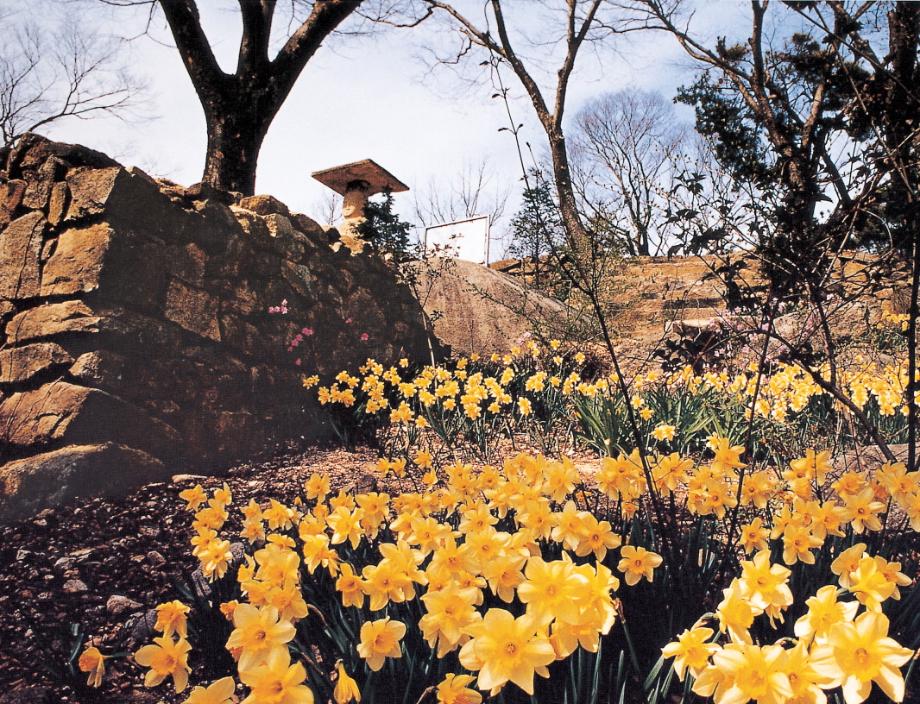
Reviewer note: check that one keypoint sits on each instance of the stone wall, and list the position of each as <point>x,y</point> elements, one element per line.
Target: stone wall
<point>135,332</point>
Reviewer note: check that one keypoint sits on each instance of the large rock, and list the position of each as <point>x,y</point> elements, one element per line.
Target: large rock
<point>32,150</point>
<point>477,309</point>
<point>19,364</point>
<point>77,262</point>
<point>20,252</point>
<point>11,195</point>
<point>63,413</point>
<point>60,476</point>
<point>52,319</point>
<point>193,309</point>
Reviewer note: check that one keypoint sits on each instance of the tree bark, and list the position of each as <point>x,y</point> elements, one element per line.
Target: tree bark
<point>234,141</point>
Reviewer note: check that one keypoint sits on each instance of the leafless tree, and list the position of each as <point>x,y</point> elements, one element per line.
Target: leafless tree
<point>473,190</point>
<point>49,75</point>
<point>628,149</point>
<point>240,106</point>
<point>328,208</point>
<point>501,44</point>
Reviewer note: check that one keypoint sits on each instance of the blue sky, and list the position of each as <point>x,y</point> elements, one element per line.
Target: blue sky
<point>367,97</point>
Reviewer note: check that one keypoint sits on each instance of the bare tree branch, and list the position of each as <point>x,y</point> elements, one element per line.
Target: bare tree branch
<point>72,73</point>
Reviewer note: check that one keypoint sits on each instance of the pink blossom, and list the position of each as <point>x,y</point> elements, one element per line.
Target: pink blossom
<point>365,337</point>
<point>297,361</point>
<point>348,321</point>
<point>282,309</point>
<point>307,331</point>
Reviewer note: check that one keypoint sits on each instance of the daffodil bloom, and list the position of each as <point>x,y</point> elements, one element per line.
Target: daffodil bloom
<point>317,487</point>
<point>806,682</point>
<point>727,456</point>
<point>165,658</point>
<point>735,613</point>
<point>454,689</point>
<point>596,537</point>
<point>756,673</point>
<point>346,689</point>
<point>862,511</point>
<point>172,619</point>
<point>754,536</point>
<point>92,662</point>
<point>663,432</point>
<point>815,465</point>
<point>507,649</point>
<point>219,692</point>
<point>449,613</point>
<point>798,543</point>
<point>346,526</point>
<point>551,591</point>
<point>276,680</point>
<point>847,562</point>
<point>860,652</point>
<point>691,651</point>
<point>766,585</point>
<point>380,640</point>
<point>193,497</point>
<point>258,633</point>
<point>871,585</point>
<point>349,585</point>
<point>637,563</point>
<point>823,612</point>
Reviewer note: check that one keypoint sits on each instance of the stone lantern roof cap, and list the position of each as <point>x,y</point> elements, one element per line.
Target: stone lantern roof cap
<point>377,178</point>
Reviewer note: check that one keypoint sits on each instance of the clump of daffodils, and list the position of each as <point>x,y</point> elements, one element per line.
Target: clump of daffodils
<point>836,646</point>
<point>494,578</point>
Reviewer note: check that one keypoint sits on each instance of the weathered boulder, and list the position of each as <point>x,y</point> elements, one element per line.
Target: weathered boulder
<point>64,413</point>
<point>264,205</point>
<point>20,253</point>
<point>19,364</point>
<point>60,476</point>
<point>51,319</point>
<point>77,261</point>
<point>11,194</point>
<point>193,309</point>
<point>477,309</point>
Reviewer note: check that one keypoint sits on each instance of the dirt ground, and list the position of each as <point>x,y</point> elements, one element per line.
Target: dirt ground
<point>93,570</point>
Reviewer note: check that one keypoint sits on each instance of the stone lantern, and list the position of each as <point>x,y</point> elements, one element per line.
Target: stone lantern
<point>356,182</point>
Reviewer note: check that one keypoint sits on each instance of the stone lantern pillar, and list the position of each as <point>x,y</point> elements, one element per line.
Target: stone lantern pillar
<point>356,182</point>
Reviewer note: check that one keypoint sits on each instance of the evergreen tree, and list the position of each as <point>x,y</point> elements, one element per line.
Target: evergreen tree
<point>383,228</point>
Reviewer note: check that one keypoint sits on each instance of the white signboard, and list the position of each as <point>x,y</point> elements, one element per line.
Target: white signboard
<point>466,239</point>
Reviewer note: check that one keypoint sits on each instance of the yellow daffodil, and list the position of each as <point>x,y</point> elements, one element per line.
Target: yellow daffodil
<point>506,649</point>
<point>172,618</point>
<point>165,658</point>
<point>860,652</point>
<point>219,692</point>
<point>380,640</point>
<point>637,563</point>
<point>691,651</point>
<point>92,662</point>
<point>276,680</point>
<point>454,689</point>
<point>346,689</point>
<point>258,633</point>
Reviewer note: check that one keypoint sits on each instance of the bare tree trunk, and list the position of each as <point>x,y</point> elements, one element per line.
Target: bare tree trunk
<point>234,142</point>
<point>240,106</point>
<point>568,204</point>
